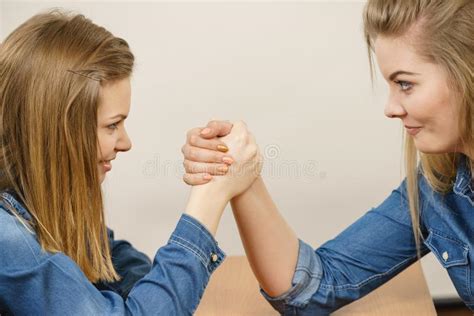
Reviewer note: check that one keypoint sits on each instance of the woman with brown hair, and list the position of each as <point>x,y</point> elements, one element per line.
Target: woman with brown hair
<point>425,51</point>
<point>64,96</point>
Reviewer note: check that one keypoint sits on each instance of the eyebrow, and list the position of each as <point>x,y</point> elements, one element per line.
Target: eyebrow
<point>401,72</point>
<point>119,115</point>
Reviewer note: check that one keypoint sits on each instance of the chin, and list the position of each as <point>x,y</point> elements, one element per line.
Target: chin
<point>101,178</point>
<point>433,148</point>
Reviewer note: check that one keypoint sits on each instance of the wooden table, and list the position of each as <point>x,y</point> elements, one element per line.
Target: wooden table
<point>233,290</point>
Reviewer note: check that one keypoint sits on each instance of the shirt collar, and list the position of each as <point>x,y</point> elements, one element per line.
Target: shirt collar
<point>462,185</point>
<point>11,198</point>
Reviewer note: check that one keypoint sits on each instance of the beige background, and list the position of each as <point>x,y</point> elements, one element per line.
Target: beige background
<point>296,72</point>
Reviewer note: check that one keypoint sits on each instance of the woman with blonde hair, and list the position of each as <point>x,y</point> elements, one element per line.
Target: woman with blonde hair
<point>425,51</point>
<point>64,96</point>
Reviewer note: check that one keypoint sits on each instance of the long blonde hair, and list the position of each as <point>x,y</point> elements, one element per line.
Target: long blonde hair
<point>52,67</point>
<point>444,36</point>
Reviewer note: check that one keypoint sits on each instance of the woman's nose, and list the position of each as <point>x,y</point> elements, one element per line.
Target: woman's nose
<point>124,143</point>
<point>394,108</point>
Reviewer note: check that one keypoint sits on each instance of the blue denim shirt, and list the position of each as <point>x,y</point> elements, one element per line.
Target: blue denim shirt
<point>34,282</point>
<point>380,244</point>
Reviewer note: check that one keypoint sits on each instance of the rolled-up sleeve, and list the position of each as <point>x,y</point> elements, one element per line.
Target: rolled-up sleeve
<point>368,253</point>
<point>305,283</point>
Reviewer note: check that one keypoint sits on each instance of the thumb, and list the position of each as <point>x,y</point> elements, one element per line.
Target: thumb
<point>216,128</point>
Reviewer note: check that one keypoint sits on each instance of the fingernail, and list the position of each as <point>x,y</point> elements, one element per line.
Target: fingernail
<point>228,160</point>
<point>205,131</point>
<point>223,169</point>
<point>222,148</point>
<point>207,177</point>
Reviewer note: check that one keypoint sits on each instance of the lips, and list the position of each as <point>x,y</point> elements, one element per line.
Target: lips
<point>106,164</point>
<point>413,130</point>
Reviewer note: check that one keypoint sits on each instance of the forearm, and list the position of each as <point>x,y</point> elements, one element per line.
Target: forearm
<point>206,204</point>
<point>270,244</point>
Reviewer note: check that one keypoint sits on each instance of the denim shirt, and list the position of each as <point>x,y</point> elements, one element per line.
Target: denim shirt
<point>380,244</point>
<point>35,282</point>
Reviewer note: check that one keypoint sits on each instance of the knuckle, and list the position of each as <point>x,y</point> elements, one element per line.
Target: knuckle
<point>193,139</point>
<point>186,148</point>
<point>189,133</point>
<point>186,165</point>
<point>249,140</point>
<point>252,140</point>
<point>185,178</point>
<point>192,154</point>
<point>247,137</point>
<point>212,123</point>
<point>192,131</point>
<point>252,151</point>
<point>193,167</point>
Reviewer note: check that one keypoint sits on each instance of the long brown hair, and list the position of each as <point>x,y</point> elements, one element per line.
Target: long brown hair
<point>443,34</point>
<point>51,69</point>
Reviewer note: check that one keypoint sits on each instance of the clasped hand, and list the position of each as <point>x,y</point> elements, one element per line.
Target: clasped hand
<point>223,155</point>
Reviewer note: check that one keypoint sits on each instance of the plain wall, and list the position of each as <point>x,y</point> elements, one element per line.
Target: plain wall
<point>296,72</point>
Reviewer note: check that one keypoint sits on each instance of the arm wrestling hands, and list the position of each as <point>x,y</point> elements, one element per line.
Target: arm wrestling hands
<point>270,244</point>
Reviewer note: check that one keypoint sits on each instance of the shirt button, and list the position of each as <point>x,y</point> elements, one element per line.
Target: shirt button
<point>445,256</point>
<point>214,257</point>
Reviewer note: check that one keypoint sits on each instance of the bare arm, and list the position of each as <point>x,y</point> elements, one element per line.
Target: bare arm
<point>206,204</point>
<point>364,256</point>
<point>270,244</point>
<point>207,201</point>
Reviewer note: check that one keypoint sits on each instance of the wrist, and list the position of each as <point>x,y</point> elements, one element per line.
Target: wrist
<point>254,187</point>
<point>206,204</point>
<point>210,193</point>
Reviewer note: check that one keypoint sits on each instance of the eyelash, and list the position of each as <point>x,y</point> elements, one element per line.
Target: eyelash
<point>401,83</point>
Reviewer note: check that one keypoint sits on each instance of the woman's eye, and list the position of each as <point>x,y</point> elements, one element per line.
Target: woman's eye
<point>404,85</point>
<point>113,126</point>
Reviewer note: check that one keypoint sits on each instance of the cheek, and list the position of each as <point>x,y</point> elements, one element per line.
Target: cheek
<point>445,112</point>
<point>106,144</point>
<point>438,114</point>
<point>433,109</point>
